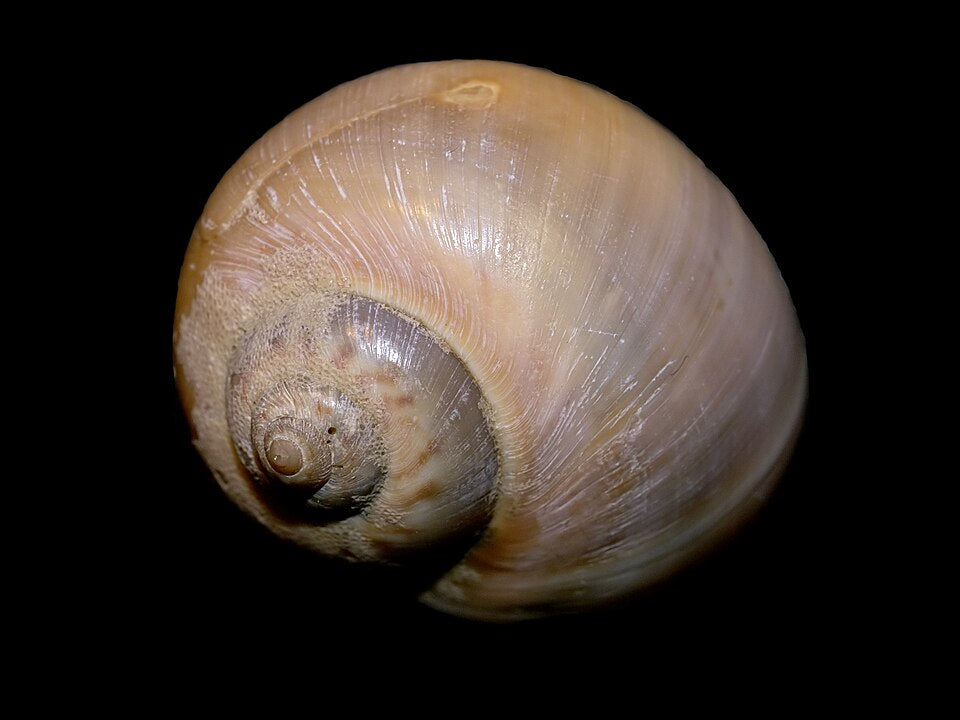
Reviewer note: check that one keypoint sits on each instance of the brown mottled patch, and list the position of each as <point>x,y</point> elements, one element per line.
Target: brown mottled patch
<point>425,455</point>
<point>426,491</point>
<point>518,530</point>
<point>400,400</point>
<point>346,352</point>
<point>498,551</point>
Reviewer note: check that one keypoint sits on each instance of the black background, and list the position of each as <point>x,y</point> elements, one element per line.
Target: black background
<point>179,566</point>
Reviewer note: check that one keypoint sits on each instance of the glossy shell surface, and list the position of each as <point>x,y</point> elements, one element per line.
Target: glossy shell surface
<point>631,348</point>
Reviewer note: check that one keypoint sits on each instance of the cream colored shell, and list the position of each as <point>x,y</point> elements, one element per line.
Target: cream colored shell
<point>640,363</point>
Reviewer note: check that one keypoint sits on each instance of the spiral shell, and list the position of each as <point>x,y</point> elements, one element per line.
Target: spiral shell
<point>481,318</point>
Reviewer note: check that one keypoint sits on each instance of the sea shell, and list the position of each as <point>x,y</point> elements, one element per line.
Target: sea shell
<point>486,320</point>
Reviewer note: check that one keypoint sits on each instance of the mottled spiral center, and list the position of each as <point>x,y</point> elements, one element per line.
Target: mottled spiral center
<point>355,410</point>
<point>314,446</point>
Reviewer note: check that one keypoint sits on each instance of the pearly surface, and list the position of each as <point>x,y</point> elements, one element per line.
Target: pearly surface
<point>641,365</point>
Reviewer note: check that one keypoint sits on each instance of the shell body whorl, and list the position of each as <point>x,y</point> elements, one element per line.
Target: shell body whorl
<point>477,303</point>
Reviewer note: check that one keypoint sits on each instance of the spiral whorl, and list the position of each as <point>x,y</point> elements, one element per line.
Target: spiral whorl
<point>341,407</point>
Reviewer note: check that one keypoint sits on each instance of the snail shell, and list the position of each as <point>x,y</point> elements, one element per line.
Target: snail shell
<point>485,319</point>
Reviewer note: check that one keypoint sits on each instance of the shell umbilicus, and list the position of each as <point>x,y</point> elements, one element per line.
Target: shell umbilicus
<point>481,316</point>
